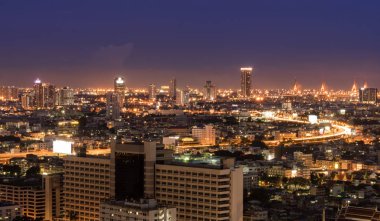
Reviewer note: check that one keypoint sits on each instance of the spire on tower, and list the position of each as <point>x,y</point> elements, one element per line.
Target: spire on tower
<point>354,88</point>
<point>323,87</point>
<point>365,84</point>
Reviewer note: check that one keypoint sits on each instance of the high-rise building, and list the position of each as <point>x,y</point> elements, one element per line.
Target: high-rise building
<point>179,98</point>
<point>44,95</point>
<point>65,96</point>
<point>201,188</point>
<point>38,198</point>
<point>8,93</point>
<point>27,101</point>
<point>38,94</point>
<point>53,186</point>
<point>152,92</point>
<point>368,95</point>
<point>205,135</point>
<point>119,85</point>
<point>245,81</point>
<point>143,209</point>
<point>132,170</point>
<point>113,105</point>
<point>86,185</point>
<point>173,89</point>
<point>186,96</point>
<point>50,96</point>
<point>120,88</point>
<point>209,91</point>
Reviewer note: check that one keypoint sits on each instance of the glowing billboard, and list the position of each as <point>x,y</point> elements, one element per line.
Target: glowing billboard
<point>62,146</point>
<point>313,119</point>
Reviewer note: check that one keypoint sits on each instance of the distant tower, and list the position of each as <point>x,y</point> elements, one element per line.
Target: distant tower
<point>186,96</point>
<point>179,98</point>
<point>38,93</point>
<point>354,88</point>
<point>119,88</point>
<point>323,87</point>
<point>65,96</point>
<point>368,95</point>
<point>365,85</point>
<point>113,105</point>
<point>173,89</point>
<point>209,91</point>
<point>354,92</point>
<point>296,88</point>
<point>245,81</point>
<point>44,95</point>
<point>152,92</point>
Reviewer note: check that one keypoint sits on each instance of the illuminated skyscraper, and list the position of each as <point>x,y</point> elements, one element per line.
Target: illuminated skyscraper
<point>65,96</point>
<point>38,94</point>
<point>27,101</point>
<point>368,95</point>
<point>186,96</point>
<point>179,98</point>
<point>44,95</point>
<point>152,92</point>
<point>173,89</point>
<point>209,91</point>
<point>120,88</point>
<point>245,81</point>
<point>113,105</point>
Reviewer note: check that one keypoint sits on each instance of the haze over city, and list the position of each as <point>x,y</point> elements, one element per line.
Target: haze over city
<point>80,43</point>
<point>189,110</point>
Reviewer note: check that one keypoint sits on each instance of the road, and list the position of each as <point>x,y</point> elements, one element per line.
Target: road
<point>4,157</point>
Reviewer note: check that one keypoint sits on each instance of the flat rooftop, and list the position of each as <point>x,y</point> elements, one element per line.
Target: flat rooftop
<point>202,161</point>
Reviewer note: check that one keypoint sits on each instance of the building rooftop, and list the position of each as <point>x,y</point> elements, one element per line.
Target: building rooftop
<point>201,161</point>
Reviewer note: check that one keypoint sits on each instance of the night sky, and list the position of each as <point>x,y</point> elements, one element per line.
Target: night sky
<point>87,43</point>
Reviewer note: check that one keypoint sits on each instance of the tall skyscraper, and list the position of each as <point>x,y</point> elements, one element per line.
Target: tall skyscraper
<point>113,105</point>
<point>152,92</point>
<point>173,89</point>
<point>27,101</point>
<point>38,94</point>
<point>179,98</point>
<point>132,170</point>
<point>120,88</point>
<point>44,95</point>
<point>209,91</point>
<point>201,188</point>
<point>368,95</point>
<point>65,96</point>
<point>186,96</point>
<point>245,81</point>
<point>119,85</point>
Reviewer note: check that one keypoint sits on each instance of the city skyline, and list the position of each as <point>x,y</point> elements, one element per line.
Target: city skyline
<point>152,43</point>
<point>189,111</point>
